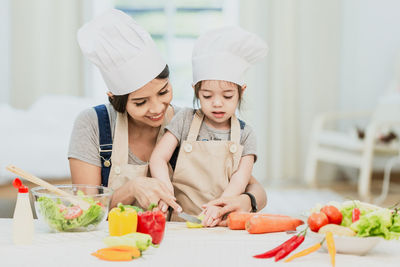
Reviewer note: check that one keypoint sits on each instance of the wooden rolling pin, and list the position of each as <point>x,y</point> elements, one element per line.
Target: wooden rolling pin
<point>36,180</point>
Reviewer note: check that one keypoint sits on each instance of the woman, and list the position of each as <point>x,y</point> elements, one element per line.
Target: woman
<point>140,96</point>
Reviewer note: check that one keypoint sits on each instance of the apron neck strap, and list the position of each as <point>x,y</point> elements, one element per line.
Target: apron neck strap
<point>198,119</point>
<point>195,126</point>
<point>235,129</point>
<point>121,142</point>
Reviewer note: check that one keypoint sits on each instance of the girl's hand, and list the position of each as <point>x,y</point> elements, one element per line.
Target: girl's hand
<point>211,217</point>
<point>149,190</point>
<point>228,205</point>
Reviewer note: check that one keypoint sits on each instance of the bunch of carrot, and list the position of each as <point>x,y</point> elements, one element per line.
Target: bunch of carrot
<point>262,223</point>
<point>118,253</point>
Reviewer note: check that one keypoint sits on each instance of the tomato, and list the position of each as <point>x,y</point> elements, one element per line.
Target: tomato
<point>73,212</point>
<point>61,207</point>
<point>317,220</point>
<point>333,213</point>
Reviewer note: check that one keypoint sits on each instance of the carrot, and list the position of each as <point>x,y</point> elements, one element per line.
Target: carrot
<point>260,224</point>
<point>113,255</point>
<point>135,252</point>
<point>237,220</point>
<point>117,253</point>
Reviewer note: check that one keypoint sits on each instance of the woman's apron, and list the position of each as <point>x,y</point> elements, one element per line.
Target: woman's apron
<point>204,168</point>
<point>121,171</point>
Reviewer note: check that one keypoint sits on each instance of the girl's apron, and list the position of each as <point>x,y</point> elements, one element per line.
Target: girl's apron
<point>204,168</point>
<point>121,171</point>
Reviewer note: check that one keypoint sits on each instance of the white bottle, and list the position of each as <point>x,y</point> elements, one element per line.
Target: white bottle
<point>23,228</point>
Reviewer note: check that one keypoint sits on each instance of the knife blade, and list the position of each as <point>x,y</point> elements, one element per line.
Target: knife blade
<point>188,217</point>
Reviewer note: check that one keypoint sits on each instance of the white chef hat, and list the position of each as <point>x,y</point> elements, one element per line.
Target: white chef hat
<point>124,52</point>
<point>225,54</point>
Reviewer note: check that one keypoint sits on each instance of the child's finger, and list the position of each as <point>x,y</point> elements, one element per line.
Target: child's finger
<point>215,222</point>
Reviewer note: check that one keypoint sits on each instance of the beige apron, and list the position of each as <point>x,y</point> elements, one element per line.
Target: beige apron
<point>121,172</point>
<point>203,168</point>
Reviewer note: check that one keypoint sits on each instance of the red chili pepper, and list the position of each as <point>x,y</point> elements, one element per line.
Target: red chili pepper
<point>272,252</point>
<point>289,248</point>
<point>355,216</point>
<point>152,223</point>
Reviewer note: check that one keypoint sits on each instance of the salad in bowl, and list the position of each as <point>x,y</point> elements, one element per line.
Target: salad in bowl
<point>357,227</point>
<point>61,215</point>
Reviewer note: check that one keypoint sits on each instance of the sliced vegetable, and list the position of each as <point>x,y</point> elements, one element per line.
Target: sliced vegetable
<point>72,212</point>
<point>196,225</point>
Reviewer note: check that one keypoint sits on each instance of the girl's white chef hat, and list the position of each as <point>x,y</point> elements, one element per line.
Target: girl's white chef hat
<point>124,52</point>
<point>225,54</point>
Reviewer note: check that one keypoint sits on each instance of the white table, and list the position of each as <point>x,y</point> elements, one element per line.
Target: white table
<point>181,247</point>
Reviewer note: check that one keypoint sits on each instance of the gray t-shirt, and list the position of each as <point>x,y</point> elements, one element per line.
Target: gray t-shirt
<point>180,126</point>
<point>84,142</point>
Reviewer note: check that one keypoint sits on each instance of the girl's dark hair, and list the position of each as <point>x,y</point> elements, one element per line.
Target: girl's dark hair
<point>119,101</point>
<point>197,87</point>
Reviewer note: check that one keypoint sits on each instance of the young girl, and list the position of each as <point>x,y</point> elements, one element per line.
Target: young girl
<point>217,151</point>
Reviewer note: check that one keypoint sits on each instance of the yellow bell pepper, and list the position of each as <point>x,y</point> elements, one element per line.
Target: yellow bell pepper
<point>122,220</point>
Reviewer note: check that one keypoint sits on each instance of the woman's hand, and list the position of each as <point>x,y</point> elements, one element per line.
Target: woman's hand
<point>149,190</point>
<point>228,205</point>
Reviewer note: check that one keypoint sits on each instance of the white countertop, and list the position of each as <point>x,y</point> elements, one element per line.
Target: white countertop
<point>181,247</point>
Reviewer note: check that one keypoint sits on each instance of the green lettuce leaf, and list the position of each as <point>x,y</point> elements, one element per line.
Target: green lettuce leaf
<point>375,223</point>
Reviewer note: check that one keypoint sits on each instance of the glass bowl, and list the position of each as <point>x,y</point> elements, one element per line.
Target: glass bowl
<point>63,216</point>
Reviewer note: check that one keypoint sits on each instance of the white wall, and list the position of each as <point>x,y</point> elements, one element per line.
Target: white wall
<point>370,45</point>
<point>44,55</point>
<point>4,51</point>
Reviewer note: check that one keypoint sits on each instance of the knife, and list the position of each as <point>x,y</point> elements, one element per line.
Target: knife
<point>188,217</point>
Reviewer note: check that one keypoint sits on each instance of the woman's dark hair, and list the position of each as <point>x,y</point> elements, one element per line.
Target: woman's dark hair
<point>197,88</point>
<point>119,101</point>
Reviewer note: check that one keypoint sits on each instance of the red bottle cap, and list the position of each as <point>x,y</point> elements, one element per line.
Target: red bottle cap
<point>21,188</point>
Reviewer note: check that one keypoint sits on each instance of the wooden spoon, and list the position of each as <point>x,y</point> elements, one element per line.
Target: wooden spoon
<point>36,180</point>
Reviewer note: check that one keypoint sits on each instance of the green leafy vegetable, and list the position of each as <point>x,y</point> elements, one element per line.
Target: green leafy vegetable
<point>53,213</point>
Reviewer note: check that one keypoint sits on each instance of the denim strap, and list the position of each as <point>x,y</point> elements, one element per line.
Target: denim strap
<point>105,142</point>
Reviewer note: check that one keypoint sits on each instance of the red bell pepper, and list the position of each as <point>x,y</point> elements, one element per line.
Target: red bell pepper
<point>355,216</point>
<point>152,223</point>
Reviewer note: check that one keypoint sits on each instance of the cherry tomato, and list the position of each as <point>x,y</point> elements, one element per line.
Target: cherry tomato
<point>73,212</point>
<point>317,220</point>
<point>333,213</point>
